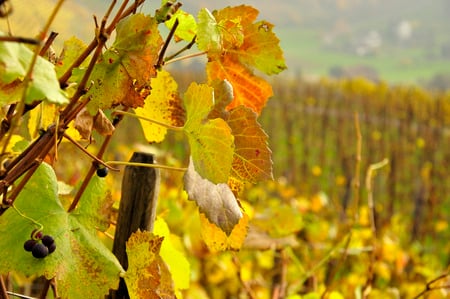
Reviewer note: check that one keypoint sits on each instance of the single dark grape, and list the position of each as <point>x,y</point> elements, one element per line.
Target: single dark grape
<point>29,244</point>
<point>39,250</point>
<point>47,240</point>
<point>51,247</point>
<point>36,234</point>
<point>102,172</point>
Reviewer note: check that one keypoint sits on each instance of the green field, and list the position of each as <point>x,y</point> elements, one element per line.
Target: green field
<point>305,52</point>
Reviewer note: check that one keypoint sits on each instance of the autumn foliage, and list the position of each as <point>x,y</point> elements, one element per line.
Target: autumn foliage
<point>86,91</point>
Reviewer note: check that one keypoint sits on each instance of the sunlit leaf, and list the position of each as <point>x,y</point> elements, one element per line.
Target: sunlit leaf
<point>217,240</point>
<point>246,14</point>
<point>260,47</point>
<point>209,34</point>
<point>147,275</point>
<point>252,156</point>
<point>15,59</point>
<point>81,264</point>
<point>187,26</point>
<point>216,201</point>
<point>163,105</point>
<point>174,258</point>
<point>210,140</point>
<point>249,90</point>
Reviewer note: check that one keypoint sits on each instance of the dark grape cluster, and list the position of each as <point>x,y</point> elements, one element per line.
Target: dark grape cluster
<point>40,245</point>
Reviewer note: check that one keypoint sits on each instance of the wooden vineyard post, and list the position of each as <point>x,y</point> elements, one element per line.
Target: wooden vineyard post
<point>137,210</point>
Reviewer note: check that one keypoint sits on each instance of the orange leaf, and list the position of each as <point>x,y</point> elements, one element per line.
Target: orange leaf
<point>260,47</point>
<point>249,90</point>
<point>217,240</point>
<point>244,13</point>
<point>252,156</point>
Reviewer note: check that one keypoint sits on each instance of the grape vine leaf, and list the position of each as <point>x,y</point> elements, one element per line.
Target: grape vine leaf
<point>209,33</point>
<point>215,36</point>
<point>41,117</point>
<point>260,47</point>
<point>210,140</point>
<point>244,45</point>
<point>217,240</point>
<point>249,90</point>
<point>72,49</point>
<point>187,26</point>
<point>81,264</point>
<point>163,105</point>
<point>216,201</point>
<point>174,258</point>
<point>252,156</point>
<point>147,275</point>
<point>15,59</point>
<point>123,73</point>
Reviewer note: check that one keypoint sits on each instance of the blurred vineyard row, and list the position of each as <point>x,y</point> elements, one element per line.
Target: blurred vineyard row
<point>314,139</point>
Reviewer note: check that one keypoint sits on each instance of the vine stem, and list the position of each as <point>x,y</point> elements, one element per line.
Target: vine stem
<point>371,206</point>
<point>182,169</point>
<point>41,227</point>
<point>93,167</point>
<point>3,291</point>
<point>167,126</point>
<point>185,57</point>
<point>88,153</point>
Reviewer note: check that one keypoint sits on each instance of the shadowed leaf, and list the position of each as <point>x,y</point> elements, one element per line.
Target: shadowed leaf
<point>217,202</point>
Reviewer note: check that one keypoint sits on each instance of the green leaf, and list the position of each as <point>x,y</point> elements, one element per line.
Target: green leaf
<point>82,265</point>
<point>208,33</point>
<point>211,141</point>
<point>147,275</point>
<point>187,26</point>
<point>94,207</point>
<point>15,59</point>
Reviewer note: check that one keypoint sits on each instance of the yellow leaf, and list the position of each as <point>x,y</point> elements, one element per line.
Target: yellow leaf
<point>41,117</point>
<point>217,240</point>
<point>176,261</point>
<point>163,105</point>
